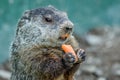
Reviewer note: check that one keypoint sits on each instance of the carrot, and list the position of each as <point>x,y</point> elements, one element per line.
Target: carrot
<point>69,49</point>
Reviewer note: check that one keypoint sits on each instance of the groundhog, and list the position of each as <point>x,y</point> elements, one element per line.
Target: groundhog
<point>36,52</point>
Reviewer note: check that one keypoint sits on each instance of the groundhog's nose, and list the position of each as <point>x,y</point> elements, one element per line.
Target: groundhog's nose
<point>67,26</point>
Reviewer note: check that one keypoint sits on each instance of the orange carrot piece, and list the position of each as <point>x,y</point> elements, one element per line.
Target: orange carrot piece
<point>69,49</point>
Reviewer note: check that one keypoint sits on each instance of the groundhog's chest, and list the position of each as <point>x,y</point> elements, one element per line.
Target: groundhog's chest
<point>53,52</point>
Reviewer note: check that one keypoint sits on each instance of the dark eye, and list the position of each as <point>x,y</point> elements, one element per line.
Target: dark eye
<point>48,19</point>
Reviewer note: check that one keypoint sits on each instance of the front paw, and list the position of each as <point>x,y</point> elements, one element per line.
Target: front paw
<point>81,55</point>
<point>68,59</point>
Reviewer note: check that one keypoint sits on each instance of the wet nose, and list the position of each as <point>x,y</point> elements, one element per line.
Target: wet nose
<point>67,25</point>
<point>67,28</point>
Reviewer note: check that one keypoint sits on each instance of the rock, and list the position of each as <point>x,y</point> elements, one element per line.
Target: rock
<point>5,74</point>
<point>101,78</point>
<point>102,35</point>
<point>93,39</point>
<point>93,60</point>
<point>92,69</point>
<point>116,69</point>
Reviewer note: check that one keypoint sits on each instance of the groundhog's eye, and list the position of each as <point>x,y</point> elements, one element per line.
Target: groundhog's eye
<point>48,19</point>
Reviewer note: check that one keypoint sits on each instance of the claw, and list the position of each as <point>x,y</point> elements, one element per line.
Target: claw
<point>81,55</point>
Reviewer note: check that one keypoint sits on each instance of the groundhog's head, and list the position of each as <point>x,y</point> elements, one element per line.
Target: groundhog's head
<point>44,26</point>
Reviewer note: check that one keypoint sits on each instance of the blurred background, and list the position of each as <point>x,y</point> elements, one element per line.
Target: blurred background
<point>97,29</point>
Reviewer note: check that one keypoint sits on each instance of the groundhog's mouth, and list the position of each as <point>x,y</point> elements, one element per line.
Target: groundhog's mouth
<point>64,37</point>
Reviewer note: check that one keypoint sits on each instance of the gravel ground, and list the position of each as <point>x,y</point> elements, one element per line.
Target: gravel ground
<point>103,55</point>
<point>102,47</point>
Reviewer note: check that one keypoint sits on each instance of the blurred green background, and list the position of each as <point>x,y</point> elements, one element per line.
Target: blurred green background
<point>85,14</point>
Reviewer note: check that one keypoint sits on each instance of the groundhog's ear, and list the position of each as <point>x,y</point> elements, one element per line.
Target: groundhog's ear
<point>26,14</point>
<point>52,7</point>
